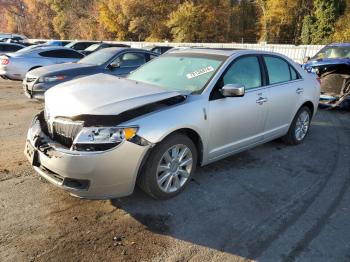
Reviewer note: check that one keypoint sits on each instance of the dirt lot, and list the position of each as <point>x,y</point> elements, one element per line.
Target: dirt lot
<point>272,203</point>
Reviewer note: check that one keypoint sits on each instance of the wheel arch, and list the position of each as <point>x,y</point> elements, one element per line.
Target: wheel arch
<point>34,67</point>
<point>309,105</point>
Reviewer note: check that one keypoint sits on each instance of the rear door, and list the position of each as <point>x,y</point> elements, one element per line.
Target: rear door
<point>238,122</point>
<point>285,93</point>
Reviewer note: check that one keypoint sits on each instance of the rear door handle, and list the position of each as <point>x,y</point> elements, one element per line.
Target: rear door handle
<point>261,100</point>
<point>299,90</point>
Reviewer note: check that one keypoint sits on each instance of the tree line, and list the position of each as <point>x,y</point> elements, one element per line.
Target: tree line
<point>271,21</point>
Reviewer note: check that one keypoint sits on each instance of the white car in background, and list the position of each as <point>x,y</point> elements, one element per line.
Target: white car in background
<point>15,66</point>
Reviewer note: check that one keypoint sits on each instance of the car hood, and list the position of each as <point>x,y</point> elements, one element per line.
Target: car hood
<point>101,94</point>
<point>65,68</point>
<point>327,61</point>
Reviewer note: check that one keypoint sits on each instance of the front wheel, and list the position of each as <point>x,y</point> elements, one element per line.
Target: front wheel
<point>299,127</point>
<point>169,167</point>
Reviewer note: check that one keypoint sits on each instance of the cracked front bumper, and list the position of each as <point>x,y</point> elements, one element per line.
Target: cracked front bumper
<point>93,175</point>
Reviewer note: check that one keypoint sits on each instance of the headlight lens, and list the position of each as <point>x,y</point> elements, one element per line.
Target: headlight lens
<point>48,79</point>
<point>102,138</point>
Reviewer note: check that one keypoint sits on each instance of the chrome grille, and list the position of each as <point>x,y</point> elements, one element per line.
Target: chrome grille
<point>64,131</point>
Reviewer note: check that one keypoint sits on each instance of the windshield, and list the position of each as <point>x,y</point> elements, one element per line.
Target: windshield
<point>99,57</point>
<point>179,72</point>
<point>333,52</point>
<point>92,47</point>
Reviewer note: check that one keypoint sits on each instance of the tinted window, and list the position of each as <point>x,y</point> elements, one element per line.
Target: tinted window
<point>293,73</point>
<point>278,69</point>
<point>52,53</point>
<point>80,45</point>
<point>10,48</point>
<point>61,54</point>
<point>130,60</point>
<point>245,71</point>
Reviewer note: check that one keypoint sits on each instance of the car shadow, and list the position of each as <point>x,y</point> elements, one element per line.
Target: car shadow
<point>241,204</point>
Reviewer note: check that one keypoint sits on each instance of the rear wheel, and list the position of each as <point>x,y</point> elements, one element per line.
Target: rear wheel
<point>299,127</point>
<point>169,167</point>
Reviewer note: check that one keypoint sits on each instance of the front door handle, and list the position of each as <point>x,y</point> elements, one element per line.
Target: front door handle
<point>261,100</point>
<point>299,90</point>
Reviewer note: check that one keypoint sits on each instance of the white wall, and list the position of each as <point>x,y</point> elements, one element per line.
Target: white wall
<point>297,53</point>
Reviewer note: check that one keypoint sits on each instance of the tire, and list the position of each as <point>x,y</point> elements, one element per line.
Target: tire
<point>293,137</point>
<point>158,167</point>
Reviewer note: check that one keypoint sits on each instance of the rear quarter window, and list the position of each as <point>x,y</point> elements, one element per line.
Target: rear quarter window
<point>279,70</point>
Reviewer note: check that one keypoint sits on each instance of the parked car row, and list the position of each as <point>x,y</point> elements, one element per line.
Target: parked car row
<point>121,116</point>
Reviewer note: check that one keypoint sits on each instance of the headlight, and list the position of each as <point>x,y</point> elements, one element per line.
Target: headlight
<point>48,79</point>
<point>102,138</point>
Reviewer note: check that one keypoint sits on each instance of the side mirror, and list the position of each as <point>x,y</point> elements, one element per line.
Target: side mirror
<point>233,90</point>
<point>113,66</point>
<point>306,59</point>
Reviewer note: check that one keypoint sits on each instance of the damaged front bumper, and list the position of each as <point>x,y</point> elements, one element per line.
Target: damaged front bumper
<point>93,175</point>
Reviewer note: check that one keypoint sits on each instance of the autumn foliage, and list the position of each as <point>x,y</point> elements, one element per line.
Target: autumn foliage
<point>272,21</point>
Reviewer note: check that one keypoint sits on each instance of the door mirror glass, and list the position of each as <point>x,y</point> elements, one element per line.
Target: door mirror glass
<point>233,90</point>
<point>114,65</point>
<point>306,59</point>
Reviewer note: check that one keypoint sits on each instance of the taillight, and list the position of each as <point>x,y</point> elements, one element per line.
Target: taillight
<point>5,61</point>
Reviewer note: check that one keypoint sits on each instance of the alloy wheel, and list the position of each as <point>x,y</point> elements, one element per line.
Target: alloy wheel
<point>174,168</point>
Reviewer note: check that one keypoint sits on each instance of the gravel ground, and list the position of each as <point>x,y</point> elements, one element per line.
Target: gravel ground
<point>271,203</point>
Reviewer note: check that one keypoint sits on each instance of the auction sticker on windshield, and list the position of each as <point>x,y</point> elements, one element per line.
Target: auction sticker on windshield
<point>200,72</point>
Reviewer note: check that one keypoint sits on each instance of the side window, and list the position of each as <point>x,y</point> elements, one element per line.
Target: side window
<point>71,54</point>
<point>130,60</point>
<point>245,71</point>
<point>61,54</point>
<point>52,53</point>
<point>293,73</point>
<point>278,69</point>
<point>11,48</point>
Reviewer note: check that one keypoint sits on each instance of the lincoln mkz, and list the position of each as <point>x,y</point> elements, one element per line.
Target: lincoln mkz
<point>101,135</point>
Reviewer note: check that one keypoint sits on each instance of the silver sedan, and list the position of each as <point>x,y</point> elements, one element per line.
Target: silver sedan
<point>14,66</point>
<point>100,135</point>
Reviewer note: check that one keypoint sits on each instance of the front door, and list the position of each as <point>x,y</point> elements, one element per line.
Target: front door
<point>237,122</point>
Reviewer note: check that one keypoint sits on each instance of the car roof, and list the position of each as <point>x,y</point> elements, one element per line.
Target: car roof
<point>225,52</point>
<point>120,48</point>
<point>212,51</point>
<point>49,48</point>
<point>41,48</point>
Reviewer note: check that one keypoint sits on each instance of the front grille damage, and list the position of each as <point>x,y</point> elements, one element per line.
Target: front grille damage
<point>64,130</point>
